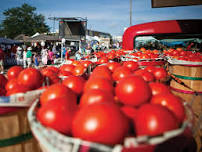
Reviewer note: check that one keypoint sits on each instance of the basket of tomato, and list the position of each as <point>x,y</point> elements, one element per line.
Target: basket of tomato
<point>110,113</point>
<point>18,89</point>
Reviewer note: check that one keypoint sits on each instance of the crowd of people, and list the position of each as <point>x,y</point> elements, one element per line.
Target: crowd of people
<point>28,56</point>
<point>37,55</point>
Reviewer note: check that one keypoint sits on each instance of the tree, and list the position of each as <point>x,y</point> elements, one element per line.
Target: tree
<point>22,20</point>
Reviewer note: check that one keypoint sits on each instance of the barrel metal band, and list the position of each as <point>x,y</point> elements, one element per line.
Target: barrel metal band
<point>15,140</point>
<point>187,78</point>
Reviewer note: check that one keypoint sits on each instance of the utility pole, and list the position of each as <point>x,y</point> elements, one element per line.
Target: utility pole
<point>130,12</point>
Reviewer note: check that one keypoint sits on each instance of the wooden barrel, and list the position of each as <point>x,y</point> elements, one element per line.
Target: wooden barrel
<point>190,75</point>
<point>15,133</point>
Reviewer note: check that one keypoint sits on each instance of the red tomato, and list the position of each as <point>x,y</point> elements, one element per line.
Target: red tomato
<point>64,73</point>
<point>19,89</point>
<point>100,122</point>
<point>51,75</point>
<point>99,83</point>
<point>139,72</point>
<point>75,63</point>
<point>160,73</point>
<point>30,77</point>
<point>67,67</point>
<point>2,92</point>
<point>103,60</point>
<point>150,68</point>
<point>129,111</point>
<point>79,70</point>
<point>101,72</point>
<point>55,69</point>
<point>182,53</point>
<point>133,90</point>
<point>13,72</point>
<point>11,84</point>
<point>159,88</point>
<point>75,83</point>
<point>58,114</point>
<point>172,102</point>
<point>95,96</point>
<point>131,65</point>
<point>113,65</point>
<point>3,81</point>
<point>120,73</point>
<point>153,119</point>
<point>57,91</point>
<point>86,63</point>
<point>147,76</point>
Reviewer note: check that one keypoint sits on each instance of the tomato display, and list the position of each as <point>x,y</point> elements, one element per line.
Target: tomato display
<point>58,114</point>
<point>31,78</point>
<point>100,122</point>
<point>95,96</point>
<point>172,102</point>
<point>154,119</point>
<point>75,83</point>
<point>133,90</point>
<point>13,72</point>
<point>57,91</point>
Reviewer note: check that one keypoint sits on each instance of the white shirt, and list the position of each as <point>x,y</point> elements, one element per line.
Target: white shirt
<point>24,55</point>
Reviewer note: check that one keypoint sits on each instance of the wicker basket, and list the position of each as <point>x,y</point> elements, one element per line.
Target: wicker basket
<point>52,141</point>
<point>15,134</point>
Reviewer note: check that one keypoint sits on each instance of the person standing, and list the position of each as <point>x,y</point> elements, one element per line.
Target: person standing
<point>25,58</point>
<point>29,57</point>
<point>36,60</point>
<point>2,55</point>
<point>67,54</point>
<point>50,56</point>
<point>19,55</point>
<point>44,56</point>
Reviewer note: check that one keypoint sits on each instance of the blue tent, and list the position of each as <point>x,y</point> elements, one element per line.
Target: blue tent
<point>8,41</point>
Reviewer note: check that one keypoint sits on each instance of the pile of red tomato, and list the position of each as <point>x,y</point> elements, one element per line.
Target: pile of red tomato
<point>19,80</point>
<point>115,101</point>
<point>180,54</point>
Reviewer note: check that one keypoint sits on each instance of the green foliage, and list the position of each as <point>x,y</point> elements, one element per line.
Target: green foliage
<point>22,20</point>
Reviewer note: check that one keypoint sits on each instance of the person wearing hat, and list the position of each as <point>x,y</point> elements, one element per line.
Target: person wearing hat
<point>29,57</point>
<point>19,55</point>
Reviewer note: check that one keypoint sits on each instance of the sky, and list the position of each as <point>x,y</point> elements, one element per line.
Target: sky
<point>110,16</point>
